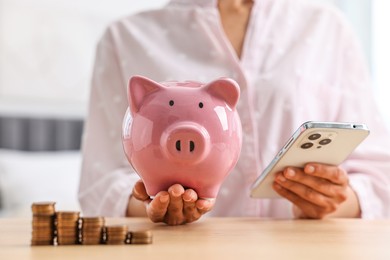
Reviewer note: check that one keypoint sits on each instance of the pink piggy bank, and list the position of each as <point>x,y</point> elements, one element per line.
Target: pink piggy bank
<point>182,132</point>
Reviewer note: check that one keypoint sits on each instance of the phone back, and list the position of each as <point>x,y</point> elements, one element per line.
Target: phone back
<point>321,142</point>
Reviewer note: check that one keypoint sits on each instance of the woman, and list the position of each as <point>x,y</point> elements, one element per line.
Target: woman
<point>294,60</point>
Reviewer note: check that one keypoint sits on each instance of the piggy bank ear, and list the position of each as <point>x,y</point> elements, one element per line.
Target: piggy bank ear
<point>225,89</point>
<point>139,88</point>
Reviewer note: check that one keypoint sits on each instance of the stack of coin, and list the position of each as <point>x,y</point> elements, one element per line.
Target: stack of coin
<point>141,237</point>
<point>92,230</point>
<point>116,235</point>
<point>67,227</point>
<point>43,223</point>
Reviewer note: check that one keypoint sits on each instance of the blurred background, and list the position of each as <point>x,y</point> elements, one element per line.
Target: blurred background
<point>46,56</point>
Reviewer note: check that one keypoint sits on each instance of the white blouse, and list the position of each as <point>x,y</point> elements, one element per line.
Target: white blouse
<point>300,62</point>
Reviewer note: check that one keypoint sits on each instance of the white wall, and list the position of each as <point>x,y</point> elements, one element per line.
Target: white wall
<point>47,49</point>
<point>359,14</point>
<point>371,21</point>
<point>381,54</point>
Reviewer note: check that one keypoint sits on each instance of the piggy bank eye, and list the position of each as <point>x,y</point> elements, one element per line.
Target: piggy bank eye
<point>200,105</point>
<point>171,103</point>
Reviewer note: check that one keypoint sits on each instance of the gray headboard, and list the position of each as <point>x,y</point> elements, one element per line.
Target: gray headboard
<point>40,134</point>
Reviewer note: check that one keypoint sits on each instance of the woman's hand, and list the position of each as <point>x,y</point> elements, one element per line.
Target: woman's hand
<point>317,191</point>
<point>174,207</point>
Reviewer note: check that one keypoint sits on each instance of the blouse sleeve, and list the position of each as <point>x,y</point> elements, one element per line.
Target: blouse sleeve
<point>369,165</point>
<point>106,176</point>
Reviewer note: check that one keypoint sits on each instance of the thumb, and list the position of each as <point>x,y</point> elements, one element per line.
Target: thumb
<point>139,191</point>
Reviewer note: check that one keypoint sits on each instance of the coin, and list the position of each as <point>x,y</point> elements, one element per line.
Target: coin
<point>67,240</point>
<point>117,228</point>
<point>96,241</point>
<point>43,208</point>
<point>67,215</point>
<point>116,234</point>
<point>92,221</point>
<point>43,224</point>
<point>141,234</point>
<point>67,232</point>
<point>43,233</point>
<point>67,223</point>
<point>138,241</point>
<point>67,228</point>
<point>141,237</point>
<point>92,230</point>
<point>42,243</point>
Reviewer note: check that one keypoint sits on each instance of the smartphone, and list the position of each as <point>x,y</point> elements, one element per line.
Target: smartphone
<point>321,142</point>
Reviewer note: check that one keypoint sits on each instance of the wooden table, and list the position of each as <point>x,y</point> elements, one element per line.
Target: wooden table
<point>219,238</point>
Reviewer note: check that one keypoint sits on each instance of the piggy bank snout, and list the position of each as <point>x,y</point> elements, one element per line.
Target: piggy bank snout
<point>186,142</point>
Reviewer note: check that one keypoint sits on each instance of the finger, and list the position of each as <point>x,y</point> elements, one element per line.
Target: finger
<point>191,213</point>
<point>305,192</point>
<point>175,208</point>
<point>157,208</point>
<point>204,205</point>
<point>139,191</point>
<point>308,209</point>
<point>319,184</point>
<point>333,174</point>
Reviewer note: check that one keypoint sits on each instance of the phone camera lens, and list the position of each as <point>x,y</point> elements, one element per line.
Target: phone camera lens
<point>306,145</point>
<point>314,136</point>
<point>325,141</point>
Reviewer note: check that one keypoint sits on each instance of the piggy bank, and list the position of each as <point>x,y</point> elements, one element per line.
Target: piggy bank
<point>186,133</point>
